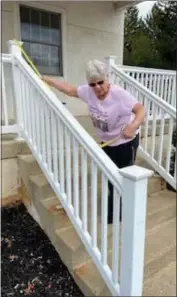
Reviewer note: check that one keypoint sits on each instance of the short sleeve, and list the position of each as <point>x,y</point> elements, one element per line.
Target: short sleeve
<point>83,92</point>
<point>127,101</point>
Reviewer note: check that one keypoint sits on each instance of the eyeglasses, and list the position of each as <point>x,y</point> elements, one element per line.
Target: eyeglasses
<point>101,82</point>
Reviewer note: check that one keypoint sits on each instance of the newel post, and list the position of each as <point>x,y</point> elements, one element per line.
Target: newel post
<point>134,200</point>
<point>110,61</point>
<point>13,47</point>
<point>14,50</point>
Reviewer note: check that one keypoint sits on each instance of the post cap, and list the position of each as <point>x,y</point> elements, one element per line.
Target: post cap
<point>135,172</point>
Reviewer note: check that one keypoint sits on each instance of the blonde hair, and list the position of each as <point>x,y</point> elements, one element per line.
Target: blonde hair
<point>96,69</point>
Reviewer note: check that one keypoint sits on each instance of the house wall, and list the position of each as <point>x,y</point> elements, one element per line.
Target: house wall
<point>90,30</point>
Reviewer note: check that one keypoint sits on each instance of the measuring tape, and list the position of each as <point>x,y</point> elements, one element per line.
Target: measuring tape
<point>39,75</point>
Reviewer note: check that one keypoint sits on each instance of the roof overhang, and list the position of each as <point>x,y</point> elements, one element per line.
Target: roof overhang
<point>125,4</point>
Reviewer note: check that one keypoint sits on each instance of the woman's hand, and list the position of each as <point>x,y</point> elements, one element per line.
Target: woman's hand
<point>129,131</point>
<point>48,80</point>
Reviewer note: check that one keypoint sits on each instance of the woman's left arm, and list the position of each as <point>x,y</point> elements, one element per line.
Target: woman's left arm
<point>130,129</point>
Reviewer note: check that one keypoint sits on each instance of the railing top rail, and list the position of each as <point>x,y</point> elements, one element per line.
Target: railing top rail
<point>88,143</point>
<point>160,103</point>
<point>147,70</point>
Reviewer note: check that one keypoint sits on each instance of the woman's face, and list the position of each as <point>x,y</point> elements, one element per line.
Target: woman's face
<point>100,87</point>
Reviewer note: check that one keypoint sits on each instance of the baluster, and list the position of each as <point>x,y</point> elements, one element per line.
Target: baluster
<point>20,106</point>
<point>153,130</point>
<point>24,104</point>
<point>33,116</point>
<point>104,215</point>
<point>84,188</point>
<point>61,156</point>
<point>76,177</point>
<point>146,124</point>
<point>146,80</point>
<point>28,107</point>
<point>158,84</point>
<point>169,92</point>
<point>162,87</point>
<point>170,133</point>
<point>150,82</point>
<point>94,203</point>
<point>43,130</point>
<point>48,137</point>
<point>115,244</point>
<point>54,144</point>
<point>154,84</point>
<point>165,89</point>
<point>68,165</point>
<point>142,78</point>
<point>162,124</point>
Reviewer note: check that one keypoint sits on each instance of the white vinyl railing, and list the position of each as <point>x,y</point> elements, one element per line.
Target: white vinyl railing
<point>75,165</point>
<point>159,81</point>
<point>156,133</point>
<point>8,114</point>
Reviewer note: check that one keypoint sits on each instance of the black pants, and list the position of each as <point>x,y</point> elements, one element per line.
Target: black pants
<point>122,155</point>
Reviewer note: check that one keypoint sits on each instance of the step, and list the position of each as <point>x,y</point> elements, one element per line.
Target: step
<point>161,244</point>
<point>160,200</point>
<point>71,248</point>
<point>41,188</point>
<point>162,283</point>
<point>53,217</point>
<point>159,239</point>
<point>28,166</point>
<point>12,148</point>
<point>155,184</point>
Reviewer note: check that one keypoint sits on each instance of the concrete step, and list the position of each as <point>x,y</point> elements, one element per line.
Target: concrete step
<point>12,148</point>
<point>160,249</point>
<point>41,188</point>
<point>53,217</point>
<point>162,283</point>
<point>28,166</point>
<point>71,248</point>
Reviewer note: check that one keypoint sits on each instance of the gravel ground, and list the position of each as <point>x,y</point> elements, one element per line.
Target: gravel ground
<point>30,265</point>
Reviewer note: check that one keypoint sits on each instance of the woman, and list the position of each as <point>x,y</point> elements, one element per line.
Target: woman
<point>114,112</point>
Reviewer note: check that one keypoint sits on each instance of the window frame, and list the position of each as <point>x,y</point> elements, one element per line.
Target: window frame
<point>47,43</point>
<point>46,7</point>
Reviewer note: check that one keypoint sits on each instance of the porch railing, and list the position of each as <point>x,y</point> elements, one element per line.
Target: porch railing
<point>159,81</point>
<point>74,163</point>
<point>156,133</point>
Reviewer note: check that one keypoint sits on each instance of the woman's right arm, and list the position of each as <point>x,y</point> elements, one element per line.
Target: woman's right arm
<point>61,86</point>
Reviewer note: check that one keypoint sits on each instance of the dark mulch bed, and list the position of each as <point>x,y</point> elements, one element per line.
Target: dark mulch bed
<point>30,265</point>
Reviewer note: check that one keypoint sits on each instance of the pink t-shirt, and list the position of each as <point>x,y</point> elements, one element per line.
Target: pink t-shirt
<point>109,116</point>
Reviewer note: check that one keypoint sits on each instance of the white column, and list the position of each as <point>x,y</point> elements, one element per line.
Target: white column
<point>134,198</point>
<point>13,47</point>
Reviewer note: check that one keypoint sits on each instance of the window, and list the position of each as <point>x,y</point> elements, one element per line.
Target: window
<point>41,36</point>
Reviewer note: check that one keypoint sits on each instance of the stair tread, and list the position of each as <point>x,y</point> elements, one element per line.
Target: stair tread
<point>162,283</point>
<point>70,237</point>
<point>160,200</point>
<point>39,179</point>
<point>27,158</point>
<point>159,239</point>
<point>52,204</point>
